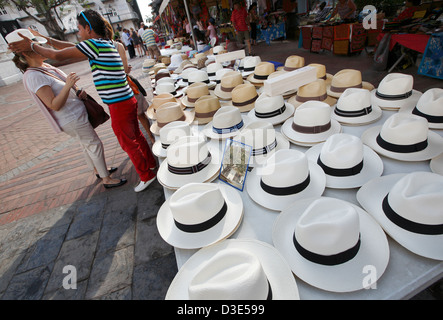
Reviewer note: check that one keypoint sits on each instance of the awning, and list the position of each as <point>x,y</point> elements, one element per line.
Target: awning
<point>163,6</point>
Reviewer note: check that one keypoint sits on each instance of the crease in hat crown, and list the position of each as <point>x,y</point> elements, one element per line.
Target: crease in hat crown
<point>231,274</point>
<point>173,131</point>
<point>168,112</point>
<point>346,78</point>
<point>266,103</point>
<point>226,117</point>
<point>396,84</point>
<point>187,152</point>
<point>404,129</point>
<point>258,134</point>
<point>431,102</point>
<point>354,99</point>
<point>312,113</point>
<point>327,227</point>
<point>342,151</point>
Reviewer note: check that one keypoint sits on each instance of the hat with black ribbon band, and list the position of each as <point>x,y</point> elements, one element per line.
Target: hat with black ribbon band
<point>393,97</point>
<point>204,225</point>
<point>275,113</point>
<point>286,191</point>
<point>431,119</point>
<point>340,172</point>
<point>401,148</point>
<point>358,113</point>
<point>192,169</point>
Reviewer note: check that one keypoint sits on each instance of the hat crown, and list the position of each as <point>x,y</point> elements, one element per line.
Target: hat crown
<point>312,113</point>
<point>214,67</point>
<point>249,62</point>
<point>315,88</point>
<point>206,104</point>
<point>396,84</point>
<point>161,99</point>
<point>164,80</point>
<point>404,129</point>
<point>418,197</point>
<point>266,103</point>
<point>226,117</point>
<point>231,274</point>
<point>264,68</point>
<point>198,76</point>
<point>14,36</point>
<point>328,226</point>
<point>244,92</point>
<point>285,168</point>
<point>196,203</point>
<point>342,151</point>
<point>186,72</point>
<point>321,69</point>
<point>169,111</point>
<point>231,79</point>
<point>295,61</point>
<point>354,99</point>
<point>219,74</point>
<point>431,102</point>
<point>346,78</point>
<point>165,87</point>
<point>196,90</point>
<point>173,131</point>
<point>258,134</point>
<point>187,151</point>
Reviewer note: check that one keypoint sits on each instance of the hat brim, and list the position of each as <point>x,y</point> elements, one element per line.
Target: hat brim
<point>345,277</point>
<point>195,240</point>
<point>395,104</point>
<point>410,107</point>
<point>308,139</point>
<point>433,149</point>
<point>329,100</point>
<point>222,94</point>
<point>372,117</point>
<point>158,150</point>
<point>184,100</point>
<point>278,273</point>
<point>371,195</point>
<point>207,130</point>
<point>289,111</point>
<point>189,117</point>
<point>365,85</point>
<point>436,164</point>
<point>174,181</point>
<point>315,188</point>
<point>372,168</point>
<point>254,81</point>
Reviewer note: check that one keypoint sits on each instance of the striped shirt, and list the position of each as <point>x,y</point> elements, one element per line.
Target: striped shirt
<point>107,69</point>
<point>148,37</point>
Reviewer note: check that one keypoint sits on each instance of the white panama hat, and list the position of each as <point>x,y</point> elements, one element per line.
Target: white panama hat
<point>328,242</point>
<point>409,208</point>
<point>287,176</point>
<point>168,135</point>
<point>430,107</point>
<point>200,76</point>
<point>272,109</point>
<point>189,159</point>
<point>199,214</point>
<point>212,69</point>
<point>346,162</point>
<point>184,75</point>
<point>263,139</point>
<point>14,36</point>
<point>167,87</point>
<point>227,122</point>
<point>404,137</point>
<point>354,108</point>
<point>235,269</point>
<point>249,64</point>
<point>311,124</point>
<point>395,91</point>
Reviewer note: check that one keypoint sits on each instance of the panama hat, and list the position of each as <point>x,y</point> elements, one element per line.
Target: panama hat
<point>409,209</point>
<point>205,108</point>
<point>321,72</point>
<point>429,106</point>
<point>159,100</point>
<point>176,60</point>
<point>168,112</point>
<point>328,242</point>
<point>346,162</point>
<point>395,91</point>
<point>167,87</point>
<point>272,109</point>
<point>194,92</point>
<point>211,69</point>
<point>197,57</point>
<point>156,68</point>
<point>404,137</point>
<point>244,97</point>
<point>234,269</point>
<point>148,64</point>
<point>14,36</point>
<point>183,64</point>
<point>228,82</point>
<point>227,122</point>
<point>263,139</point>
<point>261,73</point>
<point>249,64</point>
<point>217,49</point>
<point>292,63</point>
<point>220,73</point>
<point>199,214</point>
<point>188,160</point>
<point>311,124</point>
<point>436,164</point>
<point>286,176</point>
<point>200,76</point>
<point>170,133</point>
<point>313,91</point>
<point>344,79</point>
<point>183,82</point>
<point>166,60</point>
<point>354,108</point>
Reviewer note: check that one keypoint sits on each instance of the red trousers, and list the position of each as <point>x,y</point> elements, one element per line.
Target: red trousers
<point>125,125</point>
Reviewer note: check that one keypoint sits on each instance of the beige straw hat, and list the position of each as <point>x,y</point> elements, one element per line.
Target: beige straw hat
<point>292,63</point>
<point>205,108</point>
<point>169,112</point>
<point>261,73</point>
<point>314,91</point>
<point>244,97</point>
<point>227,83</point>
<point>195,91</point>
<point>344,79</point>
<point>157,101</point>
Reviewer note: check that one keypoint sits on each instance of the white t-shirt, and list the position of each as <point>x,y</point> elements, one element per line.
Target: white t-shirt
<point>73,109</point>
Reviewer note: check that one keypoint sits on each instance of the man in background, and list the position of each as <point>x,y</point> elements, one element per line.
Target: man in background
<point>151,46</point>
<point>239,18</point>
<point>126,39</point>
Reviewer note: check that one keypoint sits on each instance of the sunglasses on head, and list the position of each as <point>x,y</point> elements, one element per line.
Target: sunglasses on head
<point>86,19</point>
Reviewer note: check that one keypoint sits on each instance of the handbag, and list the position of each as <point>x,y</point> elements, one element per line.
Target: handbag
<point>96,113</point>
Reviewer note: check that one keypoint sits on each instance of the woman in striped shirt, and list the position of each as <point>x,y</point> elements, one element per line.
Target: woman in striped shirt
<point>110,81</point>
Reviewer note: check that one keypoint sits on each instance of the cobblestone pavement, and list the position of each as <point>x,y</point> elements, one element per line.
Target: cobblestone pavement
<point>54,213</point>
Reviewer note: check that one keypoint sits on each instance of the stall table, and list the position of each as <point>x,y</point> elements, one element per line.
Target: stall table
<point>406,274</point>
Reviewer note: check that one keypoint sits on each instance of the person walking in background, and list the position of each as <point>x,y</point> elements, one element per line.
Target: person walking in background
<point>140,33</point>
<point>253,20</point>
<point>126,39</point>
<point>110,81</point>
<point>151,45</point>
<point>51,90</point>
<point>239,18</point>
<point>211,32</point>
<point>136,42</point>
